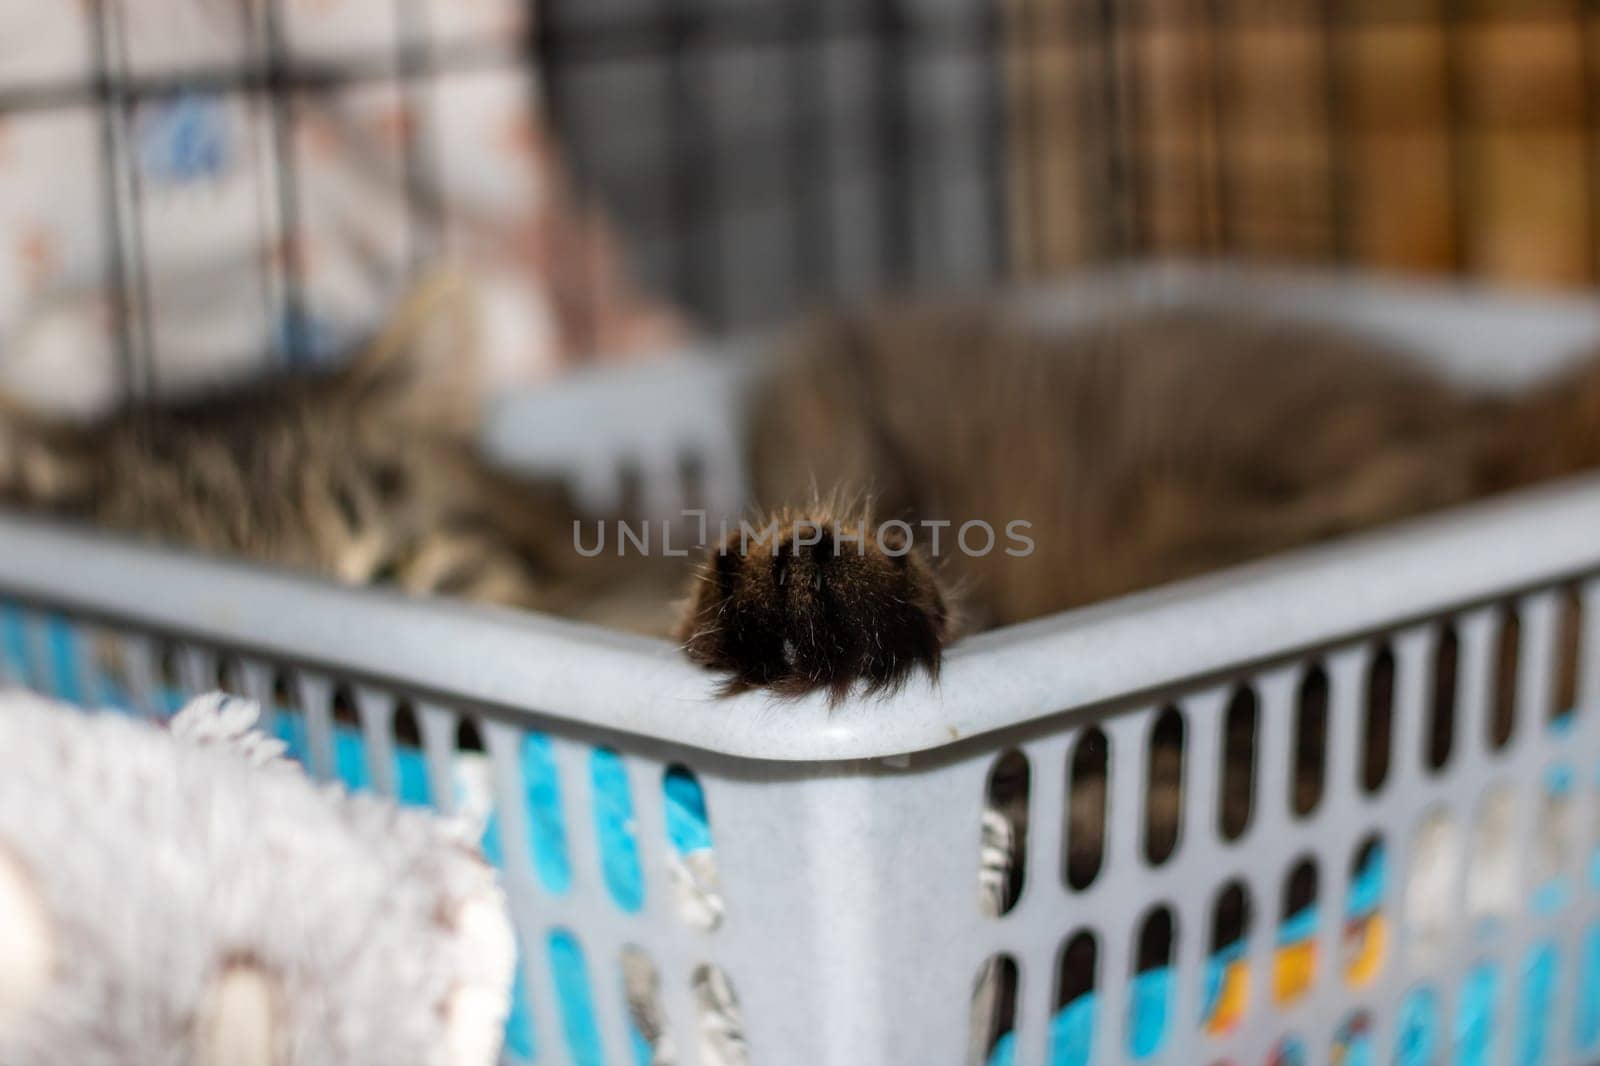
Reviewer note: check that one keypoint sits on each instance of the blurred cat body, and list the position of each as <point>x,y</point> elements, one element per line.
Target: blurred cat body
<point>1136,451</point>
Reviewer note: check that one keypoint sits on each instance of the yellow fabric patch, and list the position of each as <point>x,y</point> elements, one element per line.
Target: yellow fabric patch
<point>1231,1000</point>
<point>1292,971</point>
<point>1365,941</point>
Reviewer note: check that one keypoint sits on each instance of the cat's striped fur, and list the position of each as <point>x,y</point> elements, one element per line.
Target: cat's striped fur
<point>366,473</point>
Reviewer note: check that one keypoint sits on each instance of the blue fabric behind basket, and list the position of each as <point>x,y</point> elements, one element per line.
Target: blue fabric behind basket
<point>1586,1036</point>
<point>14,645</point>
<point>571,975</point>
<point>62,641</point>
<point>613,827</point>
<point>1538,996</point>
<point>1417,1029</point>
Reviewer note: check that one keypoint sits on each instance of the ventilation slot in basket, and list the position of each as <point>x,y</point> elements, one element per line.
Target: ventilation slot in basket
<point>16,652</point>
<point>1555,837</point>
<point>1491,874</point>
<point>473,799</point>
<point>569,977</point>
<point>1442,717</point>
<point>112,674</point>
<point>1593,822</point>
<point>1352,1041</point>
<point>1003,846</point>
<point>472,787</point>
<point>1508,653</point>
<point>721,1022</point>
<point>1239,730</point>
<point>992,1030</point>
<point>1150,997</point>
<point>169,679</point>
<point>229,676</point>
<point>1365,937</point>
<point>1477,1017</point>
<point>411,784</point>
<point>1163,796</point>
<point>648,1038</point>
<point>519,1043</point>
<point>1378,733</point>
<point>1288,1051</point>
<point>349,745</point>
<point>692,478</point>
<point>1568,654</point>
<point>1310,743</point>
<point>1072,1025</point>
<point>1086,809</point>
<point>693,861</point>
<point>61,645</point>
<point>1295,957</point>
<point>1226,993</point>
<point>614,832</point>
<point>289,719</point>
<point>1536,1005</point>
<point>542,806</point>
<point>1430,917</point>
<point>1586,1024</point>
<point>1418,1031</point>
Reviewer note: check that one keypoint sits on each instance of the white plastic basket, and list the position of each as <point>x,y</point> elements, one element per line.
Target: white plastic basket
<point>847,839</point>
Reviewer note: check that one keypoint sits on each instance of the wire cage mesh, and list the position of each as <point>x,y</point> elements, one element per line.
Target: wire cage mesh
<point>761,157</point>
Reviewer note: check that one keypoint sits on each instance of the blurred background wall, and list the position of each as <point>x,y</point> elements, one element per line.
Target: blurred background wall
<point>791,151</point>
<point>1440,136</point>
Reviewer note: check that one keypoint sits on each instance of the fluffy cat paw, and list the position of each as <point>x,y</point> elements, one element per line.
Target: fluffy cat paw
<point>811,601</point>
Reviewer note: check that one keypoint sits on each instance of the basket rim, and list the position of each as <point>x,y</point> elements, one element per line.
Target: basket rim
<point>547,672</point>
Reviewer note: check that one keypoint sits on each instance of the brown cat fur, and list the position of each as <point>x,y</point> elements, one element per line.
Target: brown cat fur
<point>1139,451</point>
